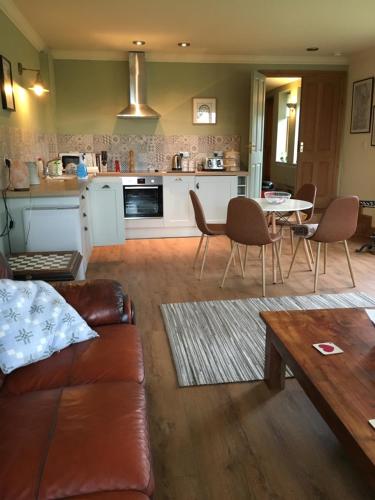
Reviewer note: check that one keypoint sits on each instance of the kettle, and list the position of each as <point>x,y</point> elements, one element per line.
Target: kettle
<point>177,161</point>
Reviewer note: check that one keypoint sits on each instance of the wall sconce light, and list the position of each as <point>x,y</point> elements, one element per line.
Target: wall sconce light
<point>38,87</point>
<point>291,108</point>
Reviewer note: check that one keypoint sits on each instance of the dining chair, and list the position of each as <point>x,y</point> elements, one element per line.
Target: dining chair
<point>207,230</point>
<point>307,192</point>
<point>247,225</point>
<point>338,223</point>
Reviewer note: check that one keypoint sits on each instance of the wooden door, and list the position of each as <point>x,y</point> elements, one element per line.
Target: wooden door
<point>256,135</point>
<point>322,104</point>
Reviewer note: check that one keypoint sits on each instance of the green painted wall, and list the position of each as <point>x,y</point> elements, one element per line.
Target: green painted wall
<point>91,93</point>
<point>31,111</point>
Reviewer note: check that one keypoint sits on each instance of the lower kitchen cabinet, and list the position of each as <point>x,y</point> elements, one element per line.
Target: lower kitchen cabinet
<point>107,212</point>
<point>214,193</point>
<point>177,207</point>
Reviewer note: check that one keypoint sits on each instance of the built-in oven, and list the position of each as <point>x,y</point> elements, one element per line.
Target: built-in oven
<point>143,197</point>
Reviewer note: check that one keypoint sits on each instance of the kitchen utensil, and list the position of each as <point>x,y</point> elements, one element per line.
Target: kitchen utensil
<point>131,161</point>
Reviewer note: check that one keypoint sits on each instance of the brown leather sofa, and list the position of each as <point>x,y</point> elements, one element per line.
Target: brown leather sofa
<point>75,425</point>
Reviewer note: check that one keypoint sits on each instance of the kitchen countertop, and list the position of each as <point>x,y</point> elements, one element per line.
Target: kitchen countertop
<point>169,173</point>
<point>60,187</point>
<point>52,187</point>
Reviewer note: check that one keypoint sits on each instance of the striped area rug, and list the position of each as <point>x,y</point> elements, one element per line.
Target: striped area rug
<point>222,341</point>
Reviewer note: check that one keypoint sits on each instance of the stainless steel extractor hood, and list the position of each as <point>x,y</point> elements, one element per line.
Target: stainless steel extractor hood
<point>138,107</point>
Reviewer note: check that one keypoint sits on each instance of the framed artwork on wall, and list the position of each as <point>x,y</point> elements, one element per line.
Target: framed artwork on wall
<point>362,106</point>
<point>204,110</point>
<point>373,128</point>
<point>6,84</point>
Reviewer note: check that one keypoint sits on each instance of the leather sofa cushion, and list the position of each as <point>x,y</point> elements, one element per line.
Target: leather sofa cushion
<point>116,355</point>
<point>75,441</point>
<point>113,495</point>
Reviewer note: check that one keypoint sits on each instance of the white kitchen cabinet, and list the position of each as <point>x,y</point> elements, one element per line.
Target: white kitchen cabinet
<point>106,211</point>
<point>177,207</point>
<point>214,193</point>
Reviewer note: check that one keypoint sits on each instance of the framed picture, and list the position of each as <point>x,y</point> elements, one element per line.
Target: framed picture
<point>361,106</point>
<point>373,128</point>
<point>204,110</point>
<point>6,84</point>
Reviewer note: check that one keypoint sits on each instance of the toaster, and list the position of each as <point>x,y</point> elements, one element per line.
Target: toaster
<point>214,163</point>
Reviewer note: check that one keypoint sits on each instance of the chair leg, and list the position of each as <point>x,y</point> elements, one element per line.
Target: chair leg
<point>240,259</point>
<point>198,250</point>
<point>310,251</point>
<point>234,257</point>
<point>349,262</point>
<point>274,280</point>
<point>307,254</point>
<point>279,263</point>
<point>294,256</point>
<point>291,240</point>
<point>325,258</point>
<point>204,257</point>
<point>228,263</point>
<point>245,260</point>
<point>281,240</point>
<point>263,271</point>
<point>317,261</point>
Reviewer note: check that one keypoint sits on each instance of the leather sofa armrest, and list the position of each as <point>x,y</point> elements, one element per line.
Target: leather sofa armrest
<point>99,302</point>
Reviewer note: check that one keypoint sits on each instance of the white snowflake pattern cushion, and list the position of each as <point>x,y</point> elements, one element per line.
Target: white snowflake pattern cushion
<point>35,322</point>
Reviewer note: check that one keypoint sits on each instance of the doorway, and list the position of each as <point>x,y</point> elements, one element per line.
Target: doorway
<point>281,129</point>
<point>314,147</point>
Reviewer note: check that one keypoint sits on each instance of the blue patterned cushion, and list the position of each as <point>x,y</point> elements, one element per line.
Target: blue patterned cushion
<point>35,322</point>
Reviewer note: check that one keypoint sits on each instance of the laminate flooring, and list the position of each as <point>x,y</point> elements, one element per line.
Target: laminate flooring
<point>233,441</point>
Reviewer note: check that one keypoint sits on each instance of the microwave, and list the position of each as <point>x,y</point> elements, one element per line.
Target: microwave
<point>88,159</point>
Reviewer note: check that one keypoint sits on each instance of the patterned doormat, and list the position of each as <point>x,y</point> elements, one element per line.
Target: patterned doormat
<point>222,341</point>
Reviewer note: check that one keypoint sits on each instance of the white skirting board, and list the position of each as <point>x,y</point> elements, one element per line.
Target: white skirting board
<point>161,232</point>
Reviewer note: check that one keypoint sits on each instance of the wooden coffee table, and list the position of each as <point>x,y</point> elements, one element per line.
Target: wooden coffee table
<point>341,386</point>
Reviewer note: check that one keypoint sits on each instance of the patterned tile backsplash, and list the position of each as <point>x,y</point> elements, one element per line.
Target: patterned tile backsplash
<point>150,150</point>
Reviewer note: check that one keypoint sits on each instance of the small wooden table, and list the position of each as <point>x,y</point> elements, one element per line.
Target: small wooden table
<point>46,266</point>
<point>341,386</point>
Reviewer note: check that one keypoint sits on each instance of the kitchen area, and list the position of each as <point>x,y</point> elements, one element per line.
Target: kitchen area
<point>74,191</point>
<point>63,212</point>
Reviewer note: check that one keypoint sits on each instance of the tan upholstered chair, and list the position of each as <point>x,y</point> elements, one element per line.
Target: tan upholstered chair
<point>207,230</point>
<point>247,225</point>
<point>338,223</point>
<point>307,192</point>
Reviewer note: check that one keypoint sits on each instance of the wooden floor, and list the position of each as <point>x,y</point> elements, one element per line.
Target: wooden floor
<point>232,441</point>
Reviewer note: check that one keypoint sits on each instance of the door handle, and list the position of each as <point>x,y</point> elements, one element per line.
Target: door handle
<point>106,186</point>
<point>197,185</point>
<point>301,145</point>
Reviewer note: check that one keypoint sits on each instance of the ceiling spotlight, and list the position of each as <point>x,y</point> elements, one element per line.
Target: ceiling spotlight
<point>139,42</point>
<point>183,44</point>
<point>312,49</point>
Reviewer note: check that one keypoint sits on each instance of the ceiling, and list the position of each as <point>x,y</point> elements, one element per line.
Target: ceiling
<point>214,27</point>
<point>275,82</point>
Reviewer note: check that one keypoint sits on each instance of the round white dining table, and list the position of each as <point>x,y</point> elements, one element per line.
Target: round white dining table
<point>290,205</point>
